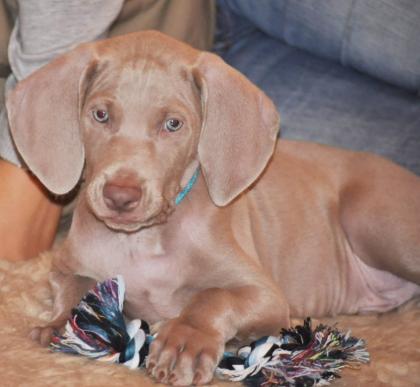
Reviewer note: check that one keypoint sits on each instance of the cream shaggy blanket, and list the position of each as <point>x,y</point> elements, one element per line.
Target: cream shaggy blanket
<point>25,301</point>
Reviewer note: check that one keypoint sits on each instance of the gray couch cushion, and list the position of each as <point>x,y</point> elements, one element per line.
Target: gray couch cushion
<point>378,37</point>
<point>322,101</point>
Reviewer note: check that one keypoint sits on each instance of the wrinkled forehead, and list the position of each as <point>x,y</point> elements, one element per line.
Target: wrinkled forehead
<point>147,62</point>
<point>149,78</point>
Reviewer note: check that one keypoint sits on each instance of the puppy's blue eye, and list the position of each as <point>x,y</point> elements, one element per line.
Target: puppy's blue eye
<point>101,116</point>
<point>172,125</point>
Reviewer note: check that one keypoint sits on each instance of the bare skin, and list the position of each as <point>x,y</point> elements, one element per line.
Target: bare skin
<point>29,218</point>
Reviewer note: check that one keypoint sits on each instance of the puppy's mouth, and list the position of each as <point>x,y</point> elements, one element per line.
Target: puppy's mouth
<point>121,222</point>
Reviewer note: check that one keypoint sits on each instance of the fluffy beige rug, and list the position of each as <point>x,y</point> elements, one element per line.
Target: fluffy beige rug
<point>25,301</point>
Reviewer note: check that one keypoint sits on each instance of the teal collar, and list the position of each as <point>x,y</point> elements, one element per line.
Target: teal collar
<point>180,197</point>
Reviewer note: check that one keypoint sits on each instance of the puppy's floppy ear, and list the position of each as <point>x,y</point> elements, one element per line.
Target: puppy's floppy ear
<point>43,112</point>
<point>239,130</point>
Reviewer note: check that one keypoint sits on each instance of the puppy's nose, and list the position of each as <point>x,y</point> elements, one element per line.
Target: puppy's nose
<point>121,198</point>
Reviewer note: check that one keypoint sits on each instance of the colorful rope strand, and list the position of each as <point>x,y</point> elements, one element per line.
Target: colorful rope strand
<point>299,356</point>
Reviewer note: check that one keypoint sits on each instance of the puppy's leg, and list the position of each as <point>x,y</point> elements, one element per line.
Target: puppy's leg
<point>68,290</point>
<point>188,348</point>
<point>380,213</point>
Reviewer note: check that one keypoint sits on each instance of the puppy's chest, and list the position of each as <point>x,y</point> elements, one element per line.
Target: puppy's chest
<point>156,288</point>
<point>156,279</point>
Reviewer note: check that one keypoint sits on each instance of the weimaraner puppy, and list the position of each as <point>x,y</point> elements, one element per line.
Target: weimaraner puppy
<point>268,231</point>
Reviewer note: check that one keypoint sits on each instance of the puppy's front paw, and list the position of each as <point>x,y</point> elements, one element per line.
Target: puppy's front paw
<point>44,334</point>
<point>183,355</point>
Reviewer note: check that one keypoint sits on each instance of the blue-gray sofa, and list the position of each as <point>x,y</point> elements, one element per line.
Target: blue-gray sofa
<point>342,72</point>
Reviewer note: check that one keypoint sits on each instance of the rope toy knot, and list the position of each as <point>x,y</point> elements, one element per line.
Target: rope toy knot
<point>97,328</point>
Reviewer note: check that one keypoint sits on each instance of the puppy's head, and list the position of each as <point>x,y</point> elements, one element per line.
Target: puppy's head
<point>140,113</point>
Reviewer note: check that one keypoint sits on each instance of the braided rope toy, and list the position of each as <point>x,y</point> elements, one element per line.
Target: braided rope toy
<point>299,356</point>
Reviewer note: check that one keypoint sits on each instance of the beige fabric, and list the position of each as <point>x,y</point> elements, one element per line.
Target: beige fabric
<point>189,20</point>
<point>25,301</point>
